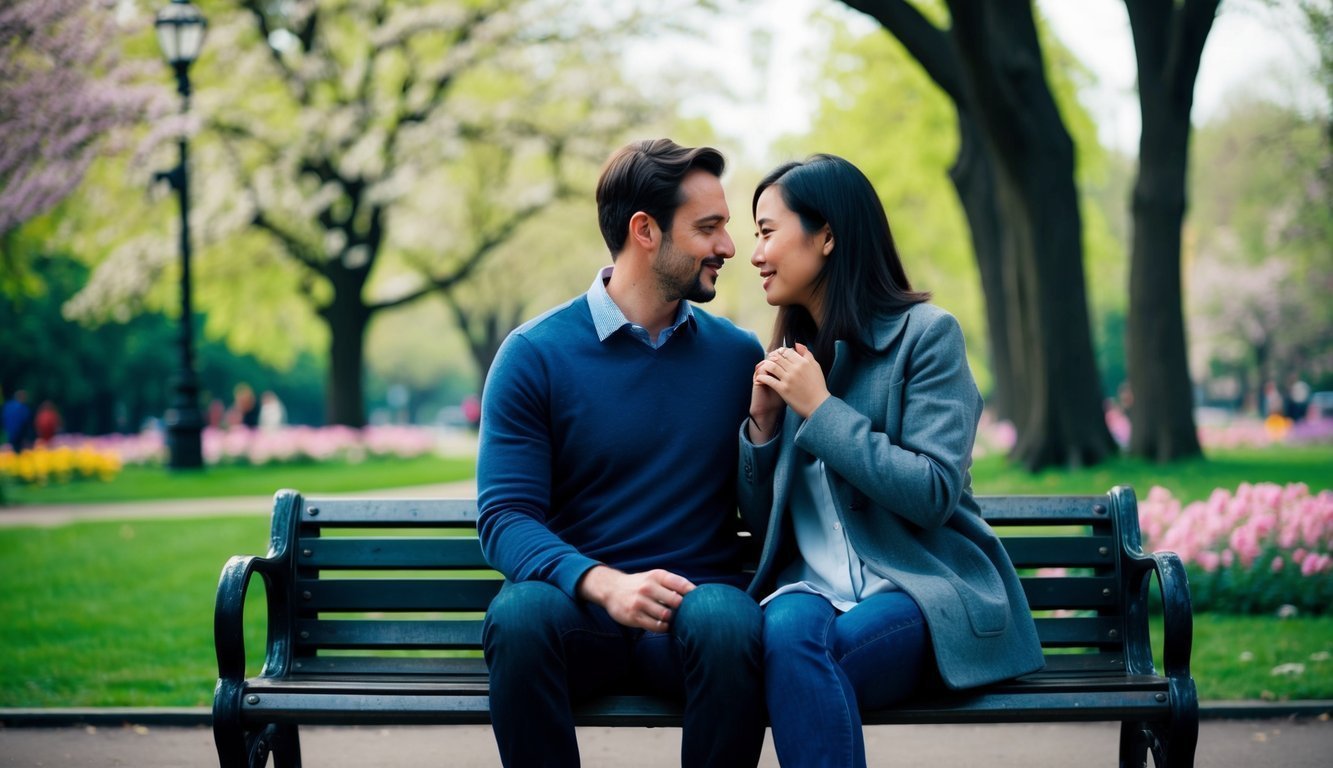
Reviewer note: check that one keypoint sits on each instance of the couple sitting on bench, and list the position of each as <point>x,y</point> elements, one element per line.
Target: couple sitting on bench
<point>622,430</point>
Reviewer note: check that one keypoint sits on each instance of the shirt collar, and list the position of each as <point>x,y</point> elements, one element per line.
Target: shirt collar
<point>607,317</point>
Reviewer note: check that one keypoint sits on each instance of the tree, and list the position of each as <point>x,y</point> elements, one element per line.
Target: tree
<point>63,89</point>
<point>990,63</point>
<point>338,148</point>
<point>1260,269</point>
<point>899,128</point>
<point>1168,43</point>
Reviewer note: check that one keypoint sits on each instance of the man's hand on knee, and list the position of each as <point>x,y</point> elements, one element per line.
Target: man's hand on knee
<point>645,600</point>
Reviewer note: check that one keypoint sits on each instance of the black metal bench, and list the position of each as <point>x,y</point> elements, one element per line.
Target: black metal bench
<point>374,611</point>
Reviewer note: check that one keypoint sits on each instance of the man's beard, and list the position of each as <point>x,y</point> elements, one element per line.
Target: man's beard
<point>678,277</point>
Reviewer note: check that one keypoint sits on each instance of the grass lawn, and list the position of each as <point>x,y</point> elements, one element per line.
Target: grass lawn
<point>145,483</point>
<point>1187,480</point>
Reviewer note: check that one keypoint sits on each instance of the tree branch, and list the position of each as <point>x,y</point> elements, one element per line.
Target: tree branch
<point>289,76</point>
<point>291,243</point>
<point>479,253</point>
<point>928,44</point>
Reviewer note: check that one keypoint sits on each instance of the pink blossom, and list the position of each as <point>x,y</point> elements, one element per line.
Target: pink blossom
<point>1277,564</point>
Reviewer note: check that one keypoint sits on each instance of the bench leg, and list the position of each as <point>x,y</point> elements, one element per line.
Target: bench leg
<point>286,747</point>
<point>1135,741</point>
<point>1171,744</point>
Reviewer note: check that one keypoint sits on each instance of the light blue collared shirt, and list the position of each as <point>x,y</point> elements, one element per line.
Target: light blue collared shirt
<point>828,566</point>
<point>607,317</point>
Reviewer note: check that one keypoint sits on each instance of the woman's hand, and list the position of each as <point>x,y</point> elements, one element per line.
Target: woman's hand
<point>765,409</point>
<point>795,376</point>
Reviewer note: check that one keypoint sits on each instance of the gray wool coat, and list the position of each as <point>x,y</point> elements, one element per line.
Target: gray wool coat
<point>896,440</point>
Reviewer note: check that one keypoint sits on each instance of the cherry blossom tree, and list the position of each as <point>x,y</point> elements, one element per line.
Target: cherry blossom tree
<point>337,150</point>
<point>63,91</point>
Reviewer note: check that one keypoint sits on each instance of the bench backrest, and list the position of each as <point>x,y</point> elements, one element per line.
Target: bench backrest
<point>399,587</point>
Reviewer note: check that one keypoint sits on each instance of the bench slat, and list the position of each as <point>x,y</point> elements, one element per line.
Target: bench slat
<point>450,513</point>
<point>1044,510</point>
<point>374,595</point>
<point>1061,551</point>
<point>366,633</point>
<point>441,707</point>
<point>319,668</point>
<point>1080,631</point>
<point>442,552</point>
<point>1076,592</point>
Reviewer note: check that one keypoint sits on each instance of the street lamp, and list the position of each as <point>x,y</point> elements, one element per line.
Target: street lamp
<point>180,32</point>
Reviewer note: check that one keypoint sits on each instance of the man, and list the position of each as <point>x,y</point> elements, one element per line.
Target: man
<point>17,418</point>
<point>606,482</point>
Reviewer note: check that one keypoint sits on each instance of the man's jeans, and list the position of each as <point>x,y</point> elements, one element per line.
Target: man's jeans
<point>546,651</point>
<point>822,666</point>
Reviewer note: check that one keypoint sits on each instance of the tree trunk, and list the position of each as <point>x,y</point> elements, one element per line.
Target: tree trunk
<point>973,177</point>
<point>1168,43</point>
<point>1059,413</point>
<point>484,330</point>
<point>347,318</point>
<point>1162,422</point>
<point>974,180</point>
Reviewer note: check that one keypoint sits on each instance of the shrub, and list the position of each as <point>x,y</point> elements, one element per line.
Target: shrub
<point>1262,549</point>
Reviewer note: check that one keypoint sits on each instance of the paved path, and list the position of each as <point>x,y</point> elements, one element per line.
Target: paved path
<point>62,514</point>
<point>1303,743</point>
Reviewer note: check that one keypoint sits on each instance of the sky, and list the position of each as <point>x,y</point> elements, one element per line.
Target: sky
<point>1251,44</point>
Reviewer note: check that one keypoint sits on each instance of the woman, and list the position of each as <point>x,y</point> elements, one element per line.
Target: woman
<point>877,570</point>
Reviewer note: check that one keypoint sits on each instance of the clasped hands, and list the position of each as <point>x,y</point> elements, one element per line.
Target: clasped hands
<point>645,600</point>
<point>790,376</point>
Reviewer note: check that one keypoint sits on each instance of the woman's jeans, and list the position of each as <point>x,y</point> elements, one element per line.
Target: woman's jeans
<point>546,652</point>
<point>822,666</point>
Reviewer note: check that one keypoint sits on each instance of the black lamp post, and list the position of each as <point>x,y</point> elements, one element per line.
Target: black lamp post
<point>180,33</point>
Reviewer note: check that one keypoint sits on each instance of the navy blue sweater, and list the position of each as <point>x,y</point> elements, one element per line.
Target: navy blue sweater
<point>612,452</point>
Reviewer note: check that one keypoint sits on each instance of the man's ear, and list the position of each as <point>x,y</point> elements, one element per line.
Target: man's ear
<point>643,231</point>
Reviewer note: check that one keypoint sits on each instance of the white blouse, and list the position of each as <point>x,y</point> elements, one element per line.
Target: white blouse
<point>828,566</point>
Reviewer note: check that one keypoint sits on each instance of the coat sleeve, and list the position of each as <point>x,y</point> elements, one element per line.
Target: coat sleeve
<point>923,475</point>
<point>754,480</point>
<point>514,474</point>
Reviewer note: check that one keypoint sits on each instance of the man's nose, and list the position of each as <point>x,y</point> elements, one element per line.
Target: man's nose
<point>726,249</point>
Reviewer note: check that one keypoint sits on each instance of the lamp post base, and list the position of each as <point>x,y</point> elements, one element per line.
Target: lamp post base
<point>185,438</point>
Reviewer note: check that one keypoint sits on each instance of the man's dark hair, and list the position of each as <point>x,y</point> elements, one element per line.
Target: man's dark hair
<point>645,176</point>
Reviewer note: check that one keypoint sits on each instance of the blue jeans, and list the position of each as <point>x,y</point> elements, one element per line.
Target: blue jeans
<point>821,667</point>
<point>546,652</point>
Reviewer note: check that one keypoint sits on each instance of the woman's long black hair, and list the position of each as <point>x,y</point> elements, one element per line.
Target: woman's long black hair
<point>862,276</point>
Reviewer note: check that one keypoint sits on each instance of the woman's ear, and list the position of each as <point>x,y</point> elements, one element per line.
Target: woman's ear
<point>828,240</point>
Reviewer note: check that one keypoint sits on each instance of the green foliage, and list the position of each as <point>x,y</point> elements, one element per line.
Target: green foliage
<point>116,375</point>
<point>1260,246</point>
<point>1259,589</point>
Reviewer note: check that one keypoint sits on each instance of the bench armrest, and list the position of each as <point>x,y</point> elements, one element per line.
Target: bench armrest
<point>1177,614</point>
<point>229,613</point>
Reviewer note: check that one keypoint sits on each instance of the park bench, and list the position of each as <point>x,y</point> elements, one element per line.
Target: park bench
<point>374,612</point>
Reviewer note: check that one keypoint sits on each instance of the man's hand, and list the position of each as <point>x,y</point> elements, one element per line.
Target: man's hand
<point>645,600</point>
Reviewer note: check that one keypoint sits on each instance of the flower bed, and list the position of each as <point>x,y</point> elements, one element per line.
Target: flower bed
<point>1265,548</point>
<point>59,464</point>
<point>256,447</point>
